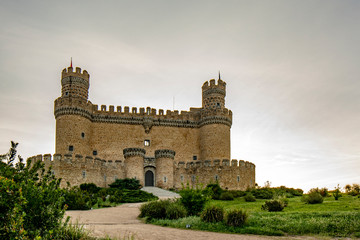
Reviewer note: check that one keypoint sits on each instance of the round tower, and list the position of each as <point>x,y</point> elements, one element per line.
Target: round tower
<point>215,122</point>
<point>75,84</point>
<point>73,114</point>
<point>134,163</point>
<point>165,168</point>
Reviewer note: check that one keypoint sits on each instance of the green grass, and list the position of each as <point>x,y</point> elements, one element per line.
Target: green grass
<point>331,218</point>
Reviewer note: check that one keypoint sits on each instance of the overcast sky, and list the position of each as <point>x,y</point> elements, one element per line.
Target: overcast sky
<point>291,68</point>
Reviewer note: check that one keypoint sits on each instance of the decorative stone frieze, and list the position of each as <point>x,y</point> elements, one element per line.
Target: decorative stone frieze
<point>164,153</point>
<point>128,152</point>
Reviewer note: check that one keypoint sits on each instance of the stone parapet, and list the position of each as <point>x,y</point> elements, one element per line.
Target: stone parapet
<point>164,153</point>
<point>129,152</point>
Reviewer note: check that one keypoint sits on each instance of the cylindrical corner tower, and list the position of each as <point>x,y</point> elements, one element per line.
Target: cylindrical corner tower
<point>165,168</point>
<point>134,163</point>
<point>73,114</point>
<point>75,84</point>
<point>215,122</point>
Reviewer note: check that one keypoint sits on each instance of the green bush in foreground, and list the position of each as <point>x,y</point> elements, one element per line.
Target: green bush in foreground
<point>273,206</point>
<point>212,214</point>
<point>37,197</point>
<point>126,183</point>
<point>236,218</point>
<point>155,209</point>
<point>226,196</point>
<point>193,200</point>
<point>313,198</point>
<point>175,210</point>
<point>249,198</point>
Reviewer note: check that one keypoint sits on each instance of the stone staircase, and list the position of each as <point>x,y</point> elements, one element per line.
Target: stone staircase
<point>161,193</point>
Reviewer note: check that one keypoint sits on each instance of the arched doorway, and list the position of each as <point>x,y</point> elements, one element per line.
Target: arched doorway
<point>149,178</point>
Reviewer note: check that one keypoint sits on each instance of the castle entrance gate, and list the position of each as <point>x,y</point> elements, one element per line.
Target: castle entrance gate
<point>149,178</point>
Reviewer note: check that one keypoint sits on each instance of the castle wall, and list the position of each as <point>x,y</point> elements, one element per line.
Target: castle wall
<point>76,131</point>
<point>215,141</point>
<point>75,169</point>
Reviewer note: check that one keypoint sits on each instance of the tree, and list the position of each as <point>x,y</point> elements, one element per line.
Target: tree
<point>36,194</point>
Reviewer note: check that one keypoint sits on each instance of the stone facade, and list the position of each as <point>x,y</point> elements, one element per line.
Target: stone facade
<point>161,148</point>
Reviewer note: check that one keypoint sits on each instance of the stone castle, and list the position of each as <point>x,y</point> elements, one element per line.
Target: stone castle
<point>159,148</point>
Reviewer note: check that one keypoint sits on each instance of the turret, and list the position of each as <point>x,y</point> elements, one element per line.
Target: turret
<point>134,163</point>
<point>215,122</point>
<point>75,84</point>
<point>72,114</point>
<point>213,95</point>
<point>165,168</point>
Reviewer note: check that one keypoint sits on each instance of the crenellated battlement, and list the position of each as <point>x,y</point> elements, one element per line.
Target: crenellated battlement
<point>66,72</point>
<point>210,87</point>
<point>216,163</point>
<point>147,117</point>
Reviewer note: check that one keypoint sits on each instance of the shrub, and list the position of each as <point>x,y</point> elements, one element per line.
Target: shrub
<point>249,198</point>
<point>227,196</point>
<point>337,193</point>
<point>212,214</point>
<point>175,210</point>
<point>237,193</point>
<point>155,209</point>
<point>262,193</point>
<point>193,200</point>
<point>313,198</point>
<point>126,183</point>
<point>37,197</point>
<point>273,206</point>
<point>130,196</point>
<point>236,218</point>
<point>90,188</point>
<point>214,191</point>
<point>75,199</point>
<point>324,192</point>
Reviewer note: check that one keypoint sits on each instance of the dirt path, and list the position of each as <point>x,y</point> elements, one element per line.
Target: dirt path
<point>121,222</point>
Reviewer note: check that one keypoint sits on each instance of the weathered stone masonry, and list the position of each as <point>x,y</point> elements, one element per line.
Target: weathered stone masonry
<point>164,149</point>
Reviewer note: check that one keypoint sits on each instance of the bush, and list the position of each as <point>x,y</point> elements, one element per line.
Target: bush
<point>75,199</point>
<point>126,183</point>
<point>90,188</point>
<point>313,198</point>
<point>175,210</point>
<point>262,193</point>
<point>214,191</point>
<point>237,193</point>
<point>155,209</point>
<point>236,218</point>
<point>273,206</point>
<point>324,192</point>
<point>131,196</point>
<point>249,198</point>
<point>227,196</point>
<point>193,200</point>
<point>337,193</point>
<point>212,214</point>
<point>35,207</point>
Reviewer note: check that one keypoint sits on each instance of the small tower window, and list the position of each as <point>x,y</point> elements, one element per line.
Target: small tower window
<point>66,93</point>
<point>94,152</point>
<point>165,179</point>
<point>218,105</point>
<point>82,135</point>
<point>84,174</point>
<point>182,178</point>
<point>147,143</point>
<point>216,178</point>
<point>71,148</point>
<point>238,178</point>
<point>194,157</point>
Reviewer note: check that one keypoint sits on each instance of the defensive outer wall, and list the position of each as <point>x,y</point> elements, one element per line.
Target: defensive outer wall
<point>160,148</point>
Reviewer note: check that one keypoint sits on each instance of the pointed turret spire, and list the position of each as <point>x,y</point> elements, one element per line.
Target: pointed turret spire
<point>219,75</point>
<point>71,62</point>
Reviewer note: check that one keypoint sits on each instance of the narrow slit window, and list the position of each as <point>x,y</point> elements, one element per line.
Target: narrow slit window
<point>71,148</point>
<point>147,143</point>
